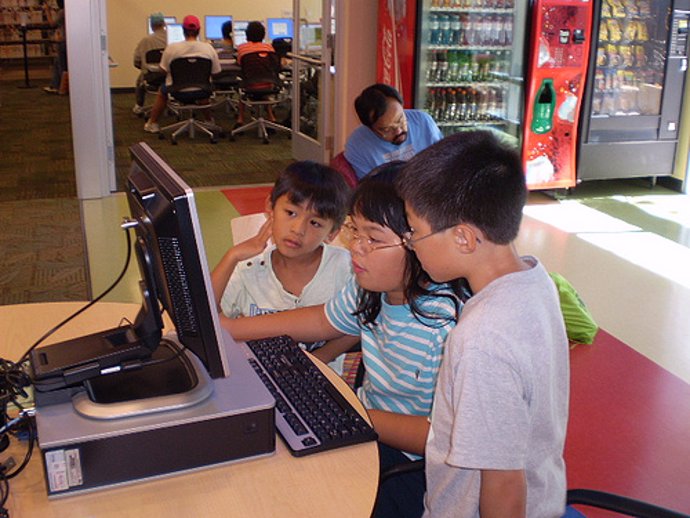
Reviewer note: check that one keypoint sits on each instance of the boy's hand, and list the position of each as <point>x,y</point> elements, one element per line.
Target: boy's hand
<point>254,245</point>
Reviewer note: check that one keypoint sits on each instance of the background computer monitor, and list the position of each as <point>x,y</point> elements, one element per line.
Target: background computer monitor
<point>213,25</point>
<point>279,28</point>
<point>175,33</point>
<point>310,36</point>
<point>238,35</point>
<point>172,258</point>
<point>168,21</point>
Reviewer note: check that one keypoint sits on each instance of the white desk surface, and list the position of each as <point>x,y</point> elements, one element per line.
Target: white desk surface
<point>336,483</point>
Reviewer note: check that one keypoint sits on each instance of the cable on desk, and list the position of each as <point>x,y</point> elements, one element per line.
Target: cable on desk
<point>25,356</point>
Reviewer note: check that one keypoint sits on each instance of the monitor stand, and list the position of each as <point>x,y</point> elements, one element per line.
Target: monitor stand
<point>171,380</point>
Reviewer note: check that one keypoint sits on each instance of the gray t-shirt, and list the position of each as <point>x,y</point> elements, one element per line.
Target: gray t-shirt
<point>501,400</point>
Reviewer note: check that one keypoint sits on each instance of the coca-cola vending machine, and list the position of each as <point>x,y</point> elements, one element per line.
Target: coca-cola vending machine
<point>468,68</point>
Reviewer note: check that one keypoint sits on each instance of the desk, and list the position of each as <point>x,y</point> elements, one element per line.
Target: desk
<point>338,483</point>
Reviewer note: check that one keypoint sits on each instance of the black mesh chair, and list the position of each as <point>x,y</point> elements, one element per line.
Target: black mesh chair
<point>154,76</point>
<point>261,87</point>
<point>190,93</point>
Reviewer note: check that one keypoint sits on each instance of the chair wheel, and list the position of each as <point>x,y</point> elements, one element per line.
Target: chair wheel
<point>232,138</point>
<point>214,141</point>
<point>173,141</point>
<point>222,134</point>
<point>266,141</point>
<point>161,136</point>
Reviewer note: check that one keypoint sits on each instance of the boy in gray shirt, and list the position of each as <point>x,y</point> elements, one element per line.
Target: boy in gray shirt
<point>500,412</point>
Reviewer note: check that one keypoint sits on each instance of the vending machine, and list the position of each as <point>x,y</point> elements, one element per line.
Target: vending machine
<point>559,43</point>
<point>631,111</point>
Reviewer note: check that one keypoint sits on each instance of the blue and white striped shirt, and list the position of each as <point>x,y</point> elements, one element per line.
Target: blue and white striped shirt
<point>401,355</point>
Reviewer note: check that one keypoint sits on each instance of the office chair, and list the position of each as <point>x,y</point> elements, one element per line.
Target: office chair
<point>154,77</point>
<point>261,88</point>
<point>340,164</point>
<point>282,46</point>
<point>191,92</point>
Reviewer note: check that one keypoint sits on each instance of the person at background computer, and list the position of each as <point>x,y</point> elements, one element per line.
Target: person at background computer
<point>306,208</point>
<point>388,132</point>
<point>190,47</point>
<point>158,39</point>
<point>256,33</point>
<point>226,45</point>
<point>401,319</point>
<point>58,83</point>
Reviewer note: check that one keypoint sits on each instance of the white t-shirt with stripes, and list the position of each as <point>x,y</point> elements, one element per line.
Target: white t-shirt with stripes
<point>401,355</point>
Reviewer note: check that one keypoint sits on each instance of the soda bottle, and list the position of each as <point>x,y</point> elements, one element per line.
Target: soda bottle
<point>430,104</point>
<point>432,67</point>
<point>542,118</point>
<point>462,104</point>
<point>508,28</point>
<point>442,72</point>
<point>455,30</point>
<point>451,105</point>
<point>444,27</point>
<point>440,104</point>
<point>465,73</point>
<point>453,66</point>
<point>491,104</point>
<point>483,105</point>
<point>433,29</point>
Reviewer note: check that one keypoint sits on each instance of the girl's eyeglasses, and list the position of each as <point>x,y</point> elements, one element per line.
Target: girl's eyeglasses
<point>368,244</point>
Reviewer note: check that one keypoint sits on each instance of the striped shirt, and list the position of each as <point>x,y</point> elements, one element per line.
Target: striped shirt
<point>401,355</point>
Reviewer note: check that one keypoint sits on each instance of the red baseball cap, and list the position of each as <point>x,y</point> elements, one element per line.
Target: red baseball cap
<point>191,22</point>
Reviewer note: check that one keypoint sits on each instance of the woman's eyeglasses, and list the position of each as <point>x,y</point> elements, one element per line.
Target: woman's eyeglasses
<point>367,243</point>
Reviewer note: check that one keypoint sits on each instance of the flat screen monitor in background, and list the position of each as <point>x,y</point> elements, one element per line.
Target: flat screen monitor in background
<point>175,33</point>
<point>213,25</point>
<point>168,21</point>
<point>238,35</point>
<point>279,28</point>
<point>310,36</point>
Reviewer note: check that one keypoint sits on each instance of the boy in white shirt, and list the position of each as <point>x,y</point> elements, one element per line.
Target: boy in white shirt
<point>307,206</point>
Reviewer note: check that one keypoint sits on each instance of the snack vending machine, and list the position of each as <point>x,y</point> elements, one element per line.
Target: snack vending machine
<point>631,112</point>
<point>559,43</point>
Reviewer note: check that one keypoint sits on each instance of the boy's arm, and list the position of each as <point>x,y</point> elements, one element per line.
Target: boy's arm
<point>223,271</point>
<point>303,325</point>
<point>503,493</point>
<point>334,348</point>
<point>404,432</point>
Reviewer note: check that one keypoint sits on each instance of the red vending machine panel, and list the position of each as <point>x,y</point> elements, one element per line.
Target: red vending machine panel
<point>557,71</point>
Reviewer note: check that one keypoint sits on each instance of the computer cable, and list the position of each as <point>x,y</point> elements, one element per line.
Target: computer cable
<point>25,356</point>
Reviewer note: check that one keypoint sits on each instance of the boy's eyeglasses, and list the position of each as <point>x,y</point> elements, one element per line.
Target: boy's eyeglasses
<point>410,243</point>
<point>369,245</point>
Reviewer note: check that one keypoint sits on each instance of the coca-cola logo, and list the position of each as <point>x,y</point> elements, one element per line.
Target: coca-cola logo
<point>387,54</point>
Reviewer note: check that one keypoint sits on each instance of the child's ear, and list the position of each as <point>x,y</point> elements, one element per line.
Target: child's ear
<point>332,235</point>
<point>268,207</point>
<point>465,238</point>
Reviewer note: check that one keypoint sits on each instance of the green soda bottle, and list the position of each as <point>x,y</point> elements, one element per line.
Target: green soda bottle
<point>542,120</point>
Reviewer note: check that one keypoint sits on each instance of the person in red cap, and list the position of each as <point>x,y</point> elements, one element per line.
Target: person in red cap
<point>191,47</point>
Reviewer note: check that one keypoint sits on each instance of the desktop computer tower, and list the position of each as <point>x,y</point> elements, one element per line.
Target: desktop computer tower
<point>82,453</point>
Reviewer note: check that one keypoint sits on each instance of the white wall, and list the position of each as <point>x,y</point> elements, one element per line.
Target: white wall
<point>127,24</point>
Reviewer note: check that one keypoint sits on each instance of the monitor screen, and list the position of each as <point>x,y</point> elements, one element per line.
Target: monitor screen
<point>175,33</point>
<point>238,35</point>
<point>213,25</point>
<point>310,36</point>
<point>279,28</point>
<point>172,258</point>
<point>168,21</point>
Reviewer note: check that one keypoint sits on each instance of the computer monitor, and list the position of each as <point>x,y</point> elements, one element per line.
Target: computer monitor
<point>174,278</point>
<point>175,33</point>
<point>310,36</point>
<point>213,25</point>
<point>239,36</point>
<point>279,28</point>
<point>168,21</point>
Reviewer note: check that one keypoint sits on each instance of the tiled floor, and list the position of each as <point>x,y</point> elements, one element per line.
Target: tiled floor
<point>635,280</point>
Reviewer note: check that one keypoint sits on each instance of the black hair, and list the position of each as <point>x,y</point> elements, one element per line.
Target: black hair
<point>372,103</point>
<point>376,200</point>
<point>469,177</point>
<point>321,186</point>
<point>190,32</point>
<point>255,32</point>
<point>226,30</point>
